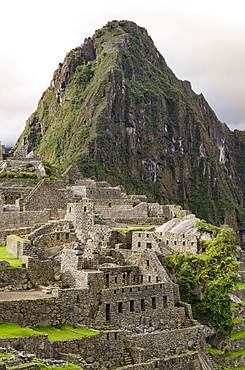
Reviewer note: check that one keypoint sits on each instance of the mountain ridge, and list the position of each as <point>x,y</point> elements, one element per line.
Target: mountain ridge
<point>116,109</point>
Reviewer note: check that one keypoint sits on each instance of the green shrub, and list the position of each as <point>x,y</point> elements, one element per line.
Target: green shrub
<point>206,279</point>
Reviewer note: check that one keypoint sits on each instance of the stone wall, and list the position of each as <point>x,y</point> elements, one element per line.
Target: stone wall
<point>168,343</point>
<point>16,246</point>
<point>97,193</point>
<point>142,240</point>
<point>187,361</point>
<point>71,307</point>
<point>105,349</point>
<point>45,196</point>
<point>21,232</point>
<point>151,269</point>
<point>21,184</point>
<point>119,276</point>
<point>10,195</point>
<point>179,242</point>
<point>142,221</point>
<point>13,279</point>
<point>113,209</point>
<point>23,219</point>
<point>81,214</point>
<point>131,306</point>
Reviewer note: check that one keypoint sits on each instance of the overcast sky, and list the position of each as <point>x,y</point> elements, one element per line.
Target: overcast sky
<point>201,41</point>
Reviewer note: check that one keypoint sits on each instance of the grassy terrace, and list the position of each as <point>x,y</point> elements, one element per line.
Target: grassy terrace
<point>66,332</point>
<point>5,256</point>
<point>132,228</point>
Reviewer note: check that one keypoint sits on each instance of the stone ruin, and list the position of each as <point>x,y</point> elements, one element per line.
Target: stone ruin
<point>72,236</point>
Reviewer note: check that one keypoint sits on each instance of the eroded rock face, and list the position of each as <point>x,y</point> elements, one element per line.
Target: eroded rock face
<point>116,110</point>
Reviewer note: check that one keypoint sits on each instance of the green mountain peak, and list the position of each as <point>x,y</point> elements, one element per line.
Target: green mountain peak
<point>117,110</point>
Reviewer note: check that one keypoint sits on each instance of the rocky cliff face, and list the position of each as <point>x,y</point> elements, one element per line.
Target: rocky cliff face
<point>117,110</point>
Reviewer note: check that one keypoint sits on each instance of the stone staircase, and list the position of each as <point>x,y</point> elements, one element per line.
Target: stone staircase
<point>206,362</point>
<point>127,358</point>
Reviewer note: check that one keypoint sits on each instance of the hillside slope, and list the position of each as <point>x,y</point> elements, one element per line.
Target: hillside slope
<point>116,109</point>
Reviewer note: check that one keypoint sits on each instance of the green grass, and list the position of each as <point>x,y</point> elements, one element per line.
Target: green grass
<point>229,355</point>
<point>9,330</point>
<point>13,261</point>
<point>240,286</point>
<point>213,351</point>
<point>132,228</point>
<point>65,367</point>
<point>237,335</point>
<point>237,319</point>
<point>66,332</point>
<point>4,355</point>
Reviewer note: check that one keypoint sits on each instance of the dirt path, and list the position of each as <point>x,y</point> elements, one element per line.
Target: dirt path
<point>23,294</point>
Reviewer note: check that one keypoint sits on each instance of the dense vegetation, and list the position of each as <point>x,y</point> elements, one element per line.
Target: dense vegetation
<point>116,109</point>
<point>206,279</point>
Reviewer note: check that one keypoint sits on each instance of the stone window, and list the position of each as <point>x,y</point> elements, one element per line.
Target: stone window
<point>192,243</point>
<point>107,336</point>
<point>120,307</point>
<point>149,278</point>
<point>141,278</point>
<point>134,277</point>
<point>139,244</point>
<point>147,262</point>
<point>167,241</point>
<point>115,291</point>
<point>153,301</point>
<point>69,209</point>
<point>139,235</point>
<point>109,205</point>
<point>157,279</point>
<point>130,289</point>
<point>131,306</point>
<point>115,279</point>
<point>67,236</point>
<point>107,312</point>
<point>115,335</point>
<point>165,303</point>
<point>148,245</point>
<point>183,243</point>
<point>84,209</point>
<point>147,235</point>
<point>142,304</point>
<point>175,242</point>
<point>58,236</point>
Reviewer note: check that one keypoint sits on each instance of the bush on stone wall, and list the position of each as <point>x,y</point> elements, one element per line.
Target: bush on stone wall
<point>206,279</point>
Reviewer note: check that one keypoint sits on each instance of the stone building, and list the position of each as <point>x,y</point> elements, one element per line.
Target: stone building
<point>106,279</point>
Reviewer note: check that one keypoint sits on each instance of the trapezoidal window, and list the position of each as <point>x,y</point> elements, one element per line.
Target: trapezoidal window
<point>120,307</point>
<point>154,304</point>
<point>131,306</point>
<point>107,312</point>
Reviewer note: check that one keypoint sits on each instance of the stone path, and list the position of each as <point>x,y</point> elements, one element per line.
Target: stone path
<point>23,294</point>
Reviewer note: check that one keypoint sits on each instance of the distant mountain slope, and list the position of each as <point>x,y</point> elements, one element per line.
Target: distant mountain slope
<point>116,109</point>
